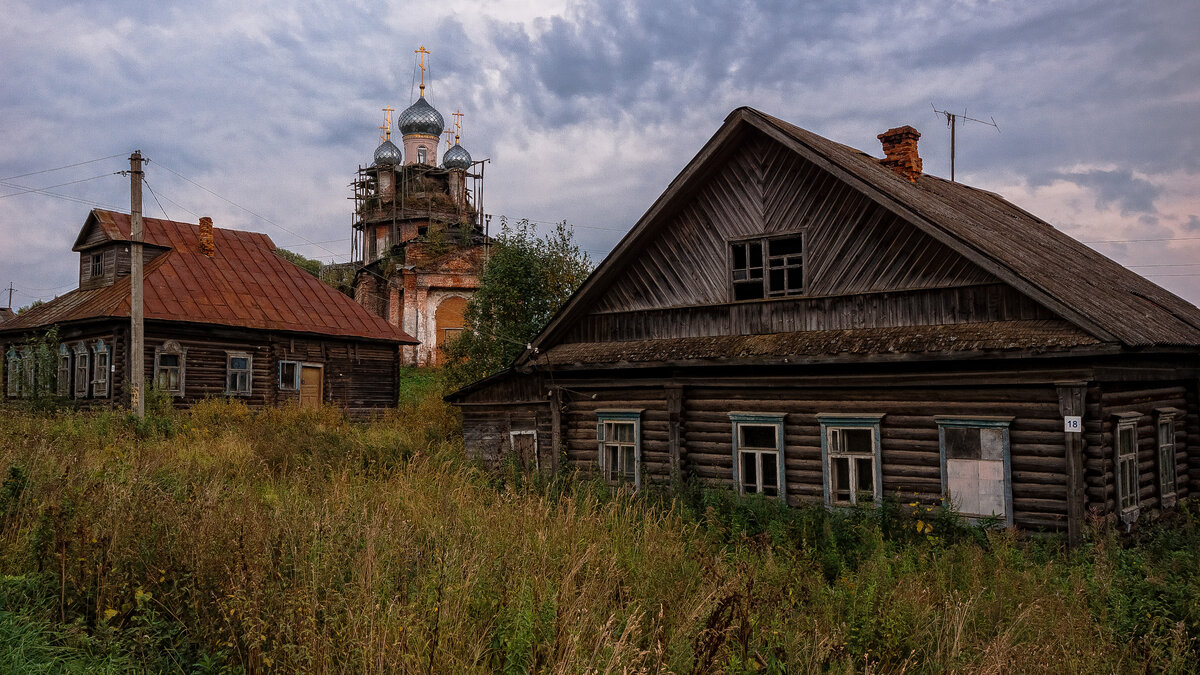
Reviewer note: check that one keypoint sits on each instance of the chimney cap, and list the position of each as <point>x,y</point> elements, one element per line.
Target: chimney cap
<point>899,133</point>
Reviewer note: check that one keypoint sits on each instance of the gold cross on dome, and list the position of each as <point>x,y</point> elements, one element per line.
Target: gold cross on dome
<point>385,129</point>
<point>423,53</point>
<point>457,115</point>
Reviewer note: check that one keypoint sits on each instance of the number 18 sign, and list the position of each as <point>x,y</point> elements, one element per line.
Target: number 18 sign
<point>1072,423</point>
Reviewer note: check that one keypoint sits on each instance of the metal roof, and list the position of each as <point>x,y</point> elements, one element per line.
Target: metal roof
<point>245,285</point>
<point>421,118</point>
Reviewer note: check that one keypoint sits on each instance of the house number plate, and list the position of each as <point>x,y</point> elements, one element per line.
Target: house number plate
<point>1072,423</point>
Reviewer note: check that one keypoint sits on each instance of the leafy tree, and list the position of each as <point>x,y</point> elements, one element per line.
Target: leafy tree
<point>32,305</point>
<point>309,265</point>
<point>526,279</point>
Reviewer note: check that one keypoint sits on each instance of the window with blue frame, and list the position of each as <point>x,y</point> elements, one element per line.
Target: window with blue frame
<point>619,437</point>
<point>758,457</point>
<point>975,466</point>
<point>851,467</point>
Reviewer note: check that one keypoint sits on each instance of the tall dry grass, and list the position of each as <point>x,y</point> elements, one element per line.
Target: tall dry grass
<point>294,541</point>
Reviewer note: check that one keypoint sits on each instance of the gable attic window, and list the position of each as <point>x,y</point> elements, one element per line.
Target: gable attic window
<point>169,367</point>
<point>83,370</point>
<point>97,267</point>
<point>618,433</point>
<point>767,267</point>
<point>1167,481</point>
<point>238,369</point>
<point>64,370</point>
<point>850,459</point>
<point>100,370</point>
<point>758,459</point>
<point>975,466</point>
<point>1125,453</point>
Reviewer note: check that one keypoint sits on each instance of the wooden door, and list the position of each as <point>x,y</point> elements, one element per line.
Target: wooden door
<point>449,322</point>
<point>524,447</point>
<point>311,389</point>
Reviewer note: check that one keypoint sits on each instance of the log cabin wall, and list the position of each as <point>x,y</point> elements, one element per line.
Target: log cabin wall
<point>580,417</point>
<point>1110,399</point>
<point>515,403</point>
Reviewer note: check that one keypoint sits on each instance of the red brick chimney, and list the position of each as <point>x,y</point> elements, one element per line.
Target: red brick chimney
<point>207,246</point>
<point>900,150</point>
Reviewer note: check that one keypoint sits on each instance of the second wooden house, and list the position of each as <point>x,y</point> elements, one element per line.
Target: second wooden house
<point>224,316</point>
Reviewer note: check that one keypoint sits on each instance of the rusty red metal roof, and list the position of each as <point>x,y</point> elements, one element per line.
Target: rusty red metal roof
<point>245,285</point>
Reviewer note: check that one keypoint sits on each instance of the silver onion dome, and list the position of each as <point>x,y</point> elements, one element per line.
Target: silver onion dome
<point>456,157</point>
<point>387,154</point>
<point>421,118</point>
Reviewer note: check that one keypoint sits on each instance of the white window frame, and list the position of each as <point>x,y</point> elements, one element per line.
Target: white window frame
<point>1128,503</point>
<point>64,371</point>
<point>422,154</point>
<point>171,347</point>
<point>614,417</point>
<point>831,426</point>
<point>740,420</point>
<point>230,372</point>
<point>1001,423</point>
<point>83,370</point>
<point>100,371</point>
<point>295,384</point>
<point>1167,445</point>
<point>512,445</point>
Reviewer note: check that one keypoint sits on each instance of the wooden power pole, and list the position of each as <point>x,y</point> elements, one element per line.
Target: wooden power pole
<point>137,338</point>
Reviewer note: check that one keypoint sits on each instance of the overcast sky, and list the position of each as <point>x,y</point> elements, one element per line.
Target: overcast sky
<point>587,110</point>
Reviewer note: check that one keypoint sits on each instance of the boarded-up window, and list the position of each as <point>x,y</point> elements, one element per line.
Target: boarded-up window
<point>975,474</point>
<point>618,434</point>
<point>524,449</point>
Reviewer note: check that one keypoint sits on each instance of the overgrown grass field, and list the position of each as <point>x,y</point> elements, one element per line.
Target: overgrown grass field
<point>221,540</point>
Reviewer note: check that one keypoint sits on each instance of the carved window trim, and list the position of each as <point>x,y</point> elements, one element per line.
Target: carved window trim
<point>162,372</point>
<point>101,365</point>
<point>83,370</point>
<point>1165,448</point>
<point>64,370</point>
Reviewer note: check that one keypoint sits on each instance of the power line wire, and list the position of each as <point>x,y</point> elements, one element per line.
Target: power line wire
<point>1139,241</point>
<point>79,200</point>
<point>60,168</point>
<point>25,190</point>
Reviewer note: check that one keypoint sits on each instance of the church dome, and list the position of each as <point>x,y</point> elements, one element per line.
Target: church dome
<point>421,118</point>
<point>456,157</point>
<point>387,154</point>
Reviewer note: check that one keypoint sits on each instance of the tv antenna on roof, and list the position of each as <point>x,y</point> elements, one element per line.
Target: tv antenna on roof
<point>952,120</point>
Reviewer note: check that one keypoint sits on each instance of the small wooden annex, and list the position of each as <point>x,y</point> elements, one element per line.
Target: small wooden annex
<point>798,318</point>
<point>224,316</point>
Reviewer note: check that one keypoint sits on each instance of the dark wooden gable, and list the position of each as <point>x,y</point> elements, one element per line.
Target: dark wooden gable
<point>865,267</point>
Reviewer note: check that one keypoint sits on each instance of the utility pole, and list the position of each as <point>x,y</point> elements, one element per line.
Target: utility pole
<point>137,338</point>
<point>10,292</point>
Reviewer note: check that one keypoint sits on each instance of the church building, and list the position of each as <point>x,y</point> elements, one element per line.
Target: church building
<point>419,239</point>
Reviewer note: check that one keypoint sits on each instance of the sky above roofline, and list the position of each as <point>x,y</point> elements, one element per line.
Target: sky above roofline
<point>259,115</point>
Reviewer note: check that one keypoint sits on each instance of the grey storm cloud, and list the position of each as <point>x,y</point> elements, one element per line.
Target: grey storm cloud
<point>274,106</point>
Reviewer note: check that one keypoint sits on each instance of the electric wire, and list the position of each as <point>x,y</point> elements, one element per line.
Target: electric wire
<point>60,168</point>
<point>26,190</point>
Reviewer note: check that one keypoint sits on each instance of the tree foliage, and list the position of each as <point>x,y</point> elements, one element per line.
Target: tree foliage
<point>309,265</point>
<point>526,280</point>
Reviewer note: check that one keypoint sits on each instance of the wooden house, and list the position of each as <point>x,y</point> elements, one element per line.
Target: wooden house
<point>224,316</point>
<point>797,318</point>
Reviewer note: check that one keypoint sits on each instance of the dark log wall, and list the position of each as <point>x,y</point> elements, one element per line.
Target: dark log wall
<point>579,421</point>
<point>486,431</point>
<point>1107,400</point>
<point>852,245</point>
